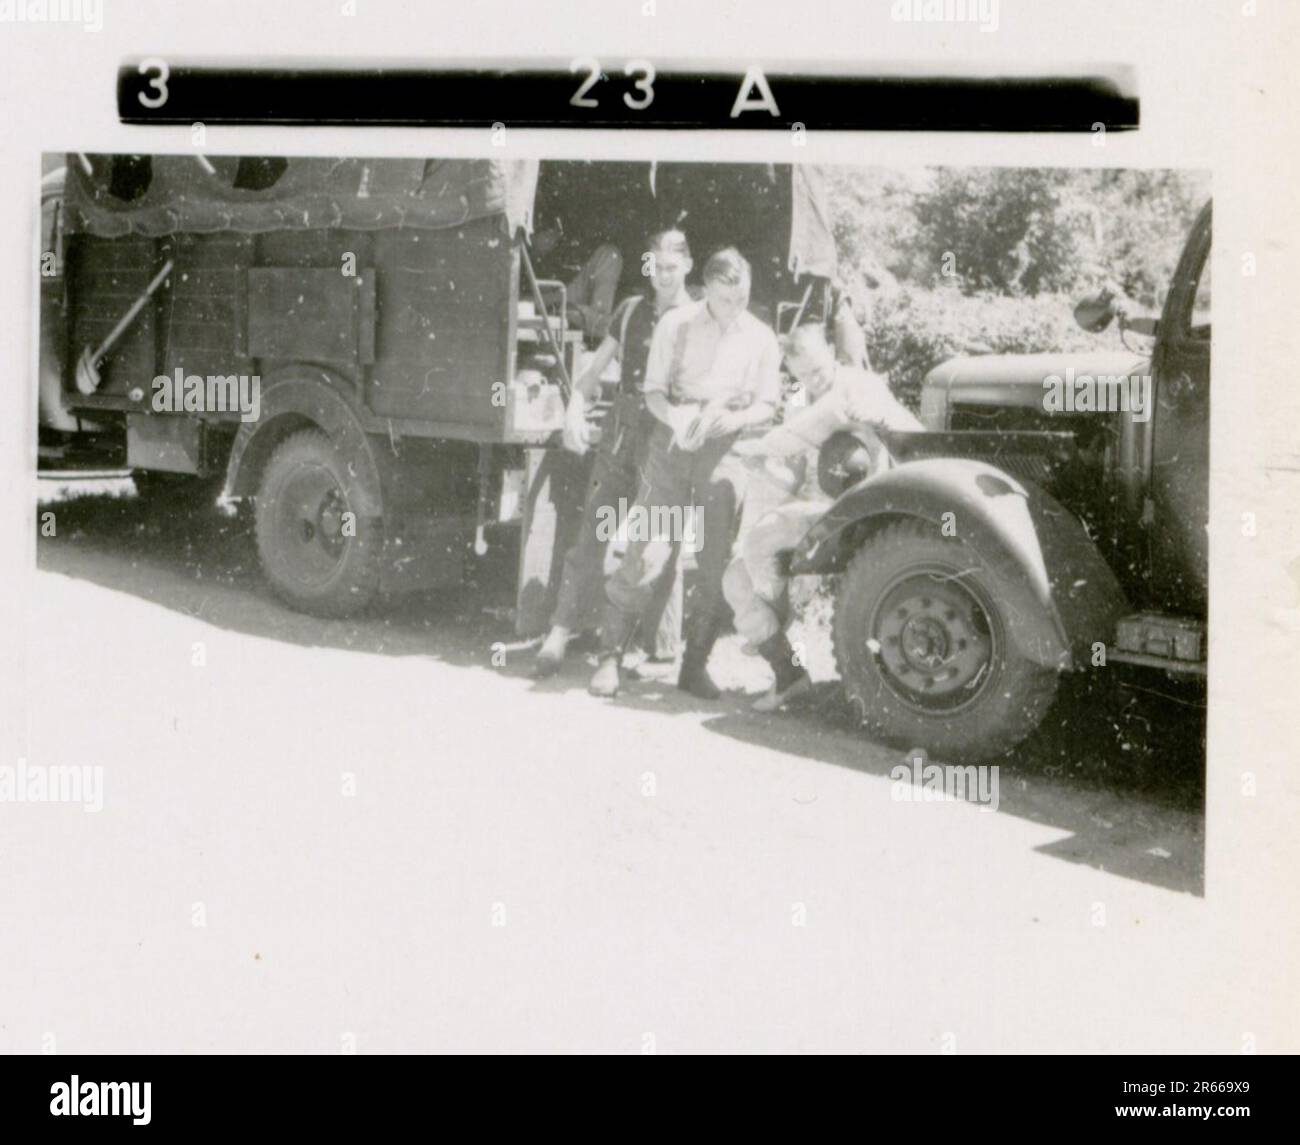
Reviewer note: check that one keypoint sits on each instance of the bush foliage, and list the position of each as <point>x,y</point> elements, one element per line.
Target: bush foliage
<point>910,330</point>
<point>944,261</point>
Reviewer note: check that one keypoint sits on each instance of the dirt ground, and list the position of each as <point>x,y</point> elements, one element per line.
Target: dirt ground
<point>644,859</point>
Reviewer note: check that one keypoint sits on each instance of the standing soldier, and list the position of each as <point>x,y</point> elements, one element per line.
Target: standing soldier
<point>620,458</point>
<point>713,371</point>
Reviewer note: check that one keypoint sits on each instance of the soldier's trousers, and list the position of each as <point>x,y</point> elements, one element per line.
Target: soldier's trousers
<point>681,491</point>
<point>756,582</point>
<point>616,476</point>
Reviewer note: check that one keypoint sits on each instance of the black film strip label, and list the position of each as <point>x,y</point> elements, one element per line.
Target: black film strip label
<point>624,94</point>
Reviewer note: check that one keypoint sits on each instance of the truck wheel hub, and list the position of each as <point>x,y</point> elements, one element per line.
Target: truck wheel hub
<point>310,516</point>
<point>932,638</point>
<point>924,643</point>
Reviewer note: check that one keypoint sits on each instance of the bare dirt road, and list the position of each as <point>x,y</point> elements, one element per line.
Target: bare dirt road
<point>371,822</point>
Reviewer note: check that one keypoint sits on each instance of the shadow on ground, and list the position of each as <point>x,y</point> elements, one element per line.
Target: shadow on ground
<point>1119,763</point>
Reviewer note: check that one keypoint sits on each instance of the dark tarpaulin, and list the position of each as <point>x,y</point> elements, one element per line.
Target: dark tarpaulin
<point>771,209</point>
<point>166,194</point>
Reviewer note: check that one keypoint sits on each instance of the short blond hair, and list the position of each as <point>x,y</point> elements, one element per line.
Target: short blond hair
<point>727,266</point>
<point>805,341</point>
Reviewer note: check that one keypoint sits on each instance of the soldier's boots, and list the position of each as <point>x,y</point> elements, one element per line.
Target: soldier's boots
<point>791,680</point>
<point>694,676</point>
<point>615,632</point>
<point>776,698</point>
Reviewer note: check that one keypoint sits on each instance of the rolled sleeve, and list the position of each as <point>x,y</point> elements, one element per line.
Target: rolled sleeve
<point>866,400</point>
<point>806,429</point>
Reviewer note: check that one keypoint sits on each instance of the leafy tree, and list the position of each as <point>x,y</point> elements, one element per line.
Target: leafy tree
<point>1016,231</point>
<point>945,261</point>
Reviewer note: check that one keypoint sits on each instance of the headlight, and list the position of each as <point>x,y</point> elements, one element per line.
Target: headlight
<point>934,407</point>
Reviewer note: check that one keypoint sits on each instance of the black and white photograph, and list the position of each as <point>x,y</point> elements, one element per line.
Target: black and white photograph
<point>774,576</point>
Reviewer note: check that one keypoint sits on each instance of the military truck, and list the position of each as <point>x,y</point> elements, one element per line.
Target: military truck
<point>411,358</point>
<point>1050,519</point>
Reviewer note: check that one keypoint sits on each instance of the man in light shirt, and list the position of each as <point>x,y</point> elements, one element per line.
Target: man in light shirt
<point>756,583</point>
<point>713,371</point>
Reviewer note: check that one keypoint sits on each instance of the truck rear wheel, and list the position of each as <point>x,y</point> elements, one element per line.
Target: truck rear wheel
<point>923,651</point>
<point>320,555</point>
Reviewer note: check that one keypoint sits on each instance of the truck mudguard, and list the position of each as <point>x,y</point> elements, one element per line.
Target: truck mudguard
<point>1064,597</point>
<point>293,397</point>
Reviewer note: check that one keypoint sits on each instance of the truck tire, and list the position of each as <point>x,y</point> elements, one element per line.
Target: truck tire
<point>921,644</point>
<point>317,559</point>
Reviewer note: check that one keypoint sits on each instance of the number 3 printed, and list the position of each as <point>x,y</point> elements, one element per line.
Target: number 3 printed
<point>158,82</point>
<point>645,84</point>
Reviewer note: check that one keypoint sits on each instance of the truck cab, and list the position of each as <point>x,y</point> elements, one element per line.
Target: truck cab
<point>1138,478</point>
<point>1052,516</point>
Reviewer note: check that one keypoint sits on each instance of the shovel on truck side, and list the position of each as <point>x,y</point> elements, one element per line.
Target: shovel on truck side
<point>88,364</point>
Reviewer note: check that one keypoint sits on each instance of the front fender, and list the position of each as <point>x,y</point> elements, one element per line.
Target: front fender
<point>296,396</point>
<point>1065,596</point>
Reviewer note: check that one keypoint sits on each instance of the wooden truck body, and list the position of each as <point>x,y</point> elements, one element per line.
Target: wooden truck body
<point>411,366</point>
